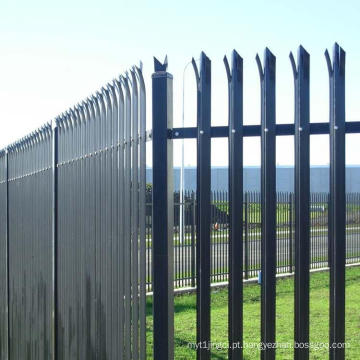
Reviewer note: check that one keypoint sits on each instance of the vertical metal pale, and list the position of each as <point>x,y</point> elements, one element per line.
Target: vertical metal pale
<point>268,203</point>
<point>337,201</point>
<point>235,85</point>
<point>203,224</point>
<point>302,200</point>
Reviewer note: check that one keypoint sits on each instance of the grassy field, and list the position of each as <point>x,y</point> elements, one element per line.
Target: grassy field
<point>185,318</point>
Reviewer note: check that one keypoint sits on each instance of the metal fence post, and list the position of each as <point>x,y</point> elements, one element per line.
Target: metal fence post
<point>302,200</point>
<point>203,248</point>
<point>337,200</point>
<point>235,85</point>
<point>163,213</point>
<point>268,203</point>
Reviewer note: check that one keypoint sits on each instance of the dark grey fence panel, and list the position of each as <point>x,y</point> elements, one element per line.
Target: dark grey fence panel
<point>74,202</point>
<point>30,246</point>
<point>98,197</point>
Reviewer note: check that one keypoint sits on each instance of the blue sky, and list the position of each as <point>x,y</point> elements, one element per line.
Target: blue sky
<point>53,54</point>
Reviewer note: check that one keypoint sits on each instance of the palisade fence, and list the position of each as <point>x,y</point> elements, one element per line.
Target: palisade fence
<point>185,242</point>
<point>163,204</point>
<point>78,251</point>
<point>72,242</point>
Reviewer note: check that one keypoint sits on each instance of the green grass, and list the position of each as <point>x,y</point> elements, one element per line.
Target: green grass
<point>282,210</point>
<point>185,318</point>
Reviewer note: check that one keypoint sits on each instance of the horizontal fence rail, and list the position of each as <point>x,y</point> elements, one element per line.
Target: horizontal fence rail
<point>352,127</point>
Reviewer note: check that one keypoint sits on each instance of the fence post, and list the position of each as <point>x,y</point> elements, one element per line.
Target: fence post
<point>203,204</point>
<point>337,200</point>
<point>268,203</point>
<point>163,212</point>
<point>235,85</point>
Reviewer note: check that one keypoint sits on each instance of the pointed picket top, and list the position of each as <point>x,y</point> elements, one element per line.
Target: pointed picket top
<point>338,60</point>
<point>227,68</point>
<point>158,66</point>
<point>196,70</point>
<point>303,61</point>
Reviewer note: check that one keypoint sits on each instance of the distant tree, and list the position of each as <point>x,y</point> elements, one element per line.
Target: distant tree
<point>219,215</point>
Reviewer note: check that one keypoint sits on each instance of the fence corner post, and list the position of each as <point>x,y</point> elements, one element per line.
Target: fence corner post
<point>163,209</point>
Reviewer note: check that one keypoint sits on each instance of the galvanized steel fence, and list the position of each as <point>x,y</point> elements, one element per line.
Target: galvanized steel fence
<point>301,129</point>
<point>73,230</point>
<point>72,226</point>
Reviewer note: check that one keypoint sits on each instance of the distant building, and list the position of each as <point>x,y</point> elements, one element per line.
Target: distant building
<point>319,178</point>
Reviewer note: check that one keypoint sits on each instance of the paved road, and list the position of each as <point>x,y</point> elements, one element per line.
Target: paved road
<point>319,249</point>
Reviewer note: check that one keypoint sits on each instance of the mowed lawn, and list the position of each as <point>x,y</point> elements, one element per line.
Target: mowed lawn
<point>185,318</point>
